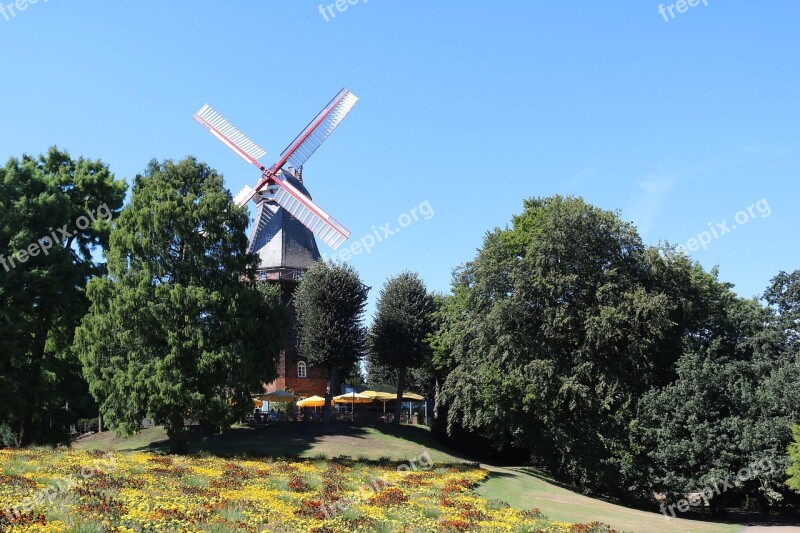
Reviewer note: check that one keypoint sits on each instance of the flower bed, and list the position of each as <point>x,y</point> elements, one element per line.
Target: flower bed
<point>141,492</point>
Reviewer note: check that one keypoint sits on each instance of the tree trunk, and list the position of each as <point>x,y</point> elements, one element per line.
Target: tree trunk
<point>438,424</point>
<point>326,411</point>
<point>398,405</point>
<point>34,377</point>
<point>26,426</point>
<point>716,508</point>
<point>176,431</point>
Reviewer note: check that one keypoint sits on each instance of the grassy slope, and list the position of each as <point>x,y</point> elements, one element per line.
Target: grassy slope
<point>517,487</point>
<point>524,490</point>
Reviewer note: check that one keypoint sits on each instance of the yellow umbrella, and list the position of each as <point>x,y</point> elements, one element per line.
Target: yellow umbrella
<point>377,395</point>
<point>412,396</point>
<point>313,401</point>
<point>352,397</point>
<point>382,397</point>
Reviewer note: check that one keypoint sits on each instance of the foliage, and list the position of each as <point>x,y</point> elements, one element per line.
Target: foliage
<point>403,323</point>
<point>556,329</point>
<point>175,332</point>
<point>783,296</point>
<point>624,369</point>
<point>330,303</point>
<point>57,211</point>
<point>733,403</point>
<point>794,455</point>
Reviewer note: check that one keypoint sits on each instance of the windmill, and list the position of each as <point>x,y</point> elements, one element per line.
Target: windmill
<point>281,183</point>
<point>285,224</point>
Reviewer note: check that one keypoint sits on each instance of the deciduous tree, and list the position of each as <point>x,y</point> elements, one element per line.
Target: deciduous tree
<point>330,303</point>
<point>403,323</point>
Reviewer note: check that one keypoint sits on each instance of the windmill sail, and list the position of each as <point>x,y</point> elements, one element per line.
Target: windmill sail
<point>318,130</point>
<point>289,197</point>
<point>228,134</point>
<point>311,215</point>
<point>244,196</point>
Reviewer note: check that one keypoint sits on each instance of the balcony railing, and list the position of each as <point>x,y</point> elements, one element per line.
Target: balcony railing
<point>279,274</point>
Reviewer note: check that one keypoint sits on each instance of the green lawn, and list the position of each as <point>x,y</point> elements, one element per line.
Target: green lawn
<point>520,488</point>
<point>293,440</point>
<point>524,490</point>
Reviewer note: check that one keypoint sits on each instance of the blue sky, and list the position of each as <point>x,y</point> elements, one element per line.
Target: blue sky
<point>471,107</point>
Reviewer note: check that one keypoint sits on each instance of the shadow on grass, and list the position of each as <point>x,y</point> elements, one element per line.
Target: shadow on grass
<point>278,440</point>
<point>293,440</point>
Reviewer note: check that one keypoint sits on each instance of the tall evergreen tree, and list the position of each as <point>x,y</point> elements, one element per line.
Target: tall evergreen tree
<point>330,303</point>
<point>55,217</point>
<point>176,332</point>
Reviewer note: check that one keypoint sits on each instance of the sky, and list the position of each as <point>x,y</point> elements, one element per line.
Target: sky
<point>685,122</point>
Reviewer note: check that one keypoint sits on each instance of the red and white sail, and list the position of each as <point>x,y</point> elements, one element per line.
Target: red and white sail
<point>296,154</point>
<point>311,215</point>
<point>229,135</point>
<point>318,130</point>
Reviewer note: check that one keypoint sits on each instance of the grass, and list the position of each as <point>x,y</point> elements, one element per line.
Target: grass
<point>524,490</point>
<point>292,440</point>
<point>108,441</point>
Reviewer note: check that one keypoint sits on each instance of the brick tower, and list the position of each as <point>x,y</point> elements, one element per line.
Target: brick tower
<point>286,249</point>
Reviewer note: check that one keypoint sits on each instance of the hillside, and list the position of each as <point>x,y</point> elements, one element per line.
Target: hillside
<point>519,487</point>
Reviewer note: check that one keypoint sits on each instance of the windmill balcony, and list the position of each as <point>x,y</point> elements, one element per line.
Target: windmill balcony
<point>279,274</point>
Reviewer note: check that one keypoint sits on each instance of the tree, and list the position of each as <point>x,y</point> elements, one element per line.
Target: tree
<point>732,405</point>
<point>330,303</point>
<point>794,455</point>
<point>55,216</point>
<point>403,322</point>
<point>424,378</point>
<point>178,331</point>
<point>449,324</point>
<point>557,328</point>
<point>783,296</point>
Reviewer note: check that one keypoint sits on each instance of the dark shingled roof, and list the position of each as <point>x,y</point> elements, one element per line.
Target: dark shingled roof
<point>280,240</point>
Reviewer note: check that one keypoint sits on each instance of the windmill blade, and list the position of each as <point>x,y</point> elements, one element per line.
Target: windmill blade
<point>229,135</point>
<point>318,130</point>
<point>244,196</point>
<point>311,215</point>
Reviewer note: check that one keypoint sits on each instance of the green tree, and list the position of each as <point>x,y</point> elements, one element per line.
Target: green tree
<point>733,402</point>
<point>783,296</point>
<point>450,323</point>
<point>55,217</point>
<point>794,455</point>
<point>556,329</point>
<point>403,322</point>
<point>176,331</point>
<point>330,303</point>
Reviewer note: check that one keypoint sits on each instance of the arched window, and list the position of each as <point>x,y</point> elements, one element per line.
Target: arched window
<point>301,370</point>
